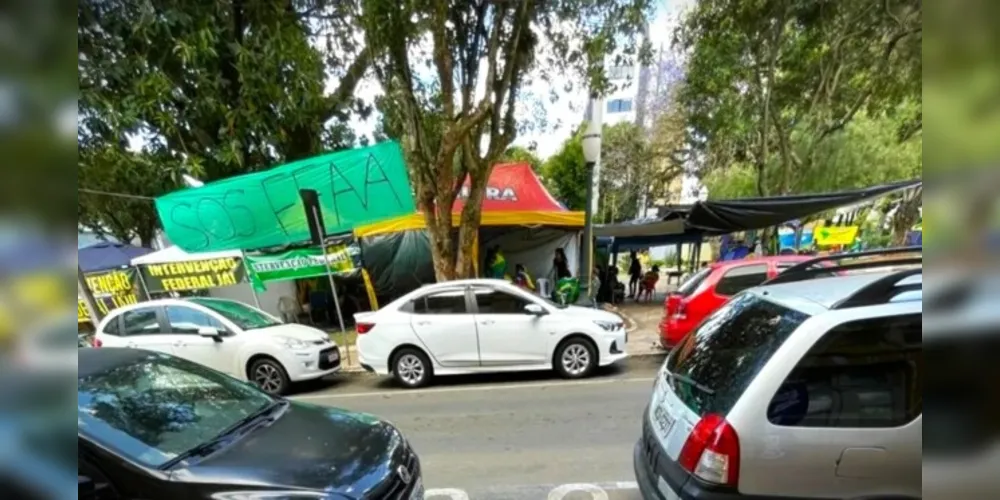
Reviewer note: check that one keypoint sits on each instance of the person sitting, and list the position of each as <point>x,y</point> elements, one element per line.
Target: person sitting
<point>617,287</point>
<point>523,279</point>
<point>648,285</point>
<point>498,268</point>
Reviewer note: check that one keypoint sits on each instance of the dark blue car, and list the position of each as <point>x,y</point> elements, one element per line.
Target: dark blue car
<point>154,426</point>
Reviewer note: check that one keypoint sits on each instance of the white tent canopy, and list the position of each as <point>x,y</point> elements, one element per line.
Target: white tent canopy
<point>176,254</point>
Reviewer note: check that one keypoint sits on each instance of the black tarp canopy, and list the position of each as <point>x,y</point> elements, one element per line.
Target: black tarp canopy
<point>758,213</point>
<point>688,224</point>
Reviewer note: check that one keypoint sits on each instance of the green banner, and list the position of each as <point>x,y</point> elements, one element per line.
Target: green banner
<point>264,209</point>
<point>302,263</point>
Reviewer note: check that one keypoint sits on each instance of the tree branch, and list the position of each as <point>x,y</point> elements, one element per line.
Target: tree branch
<point>336,101</point>
<point>443,58</point>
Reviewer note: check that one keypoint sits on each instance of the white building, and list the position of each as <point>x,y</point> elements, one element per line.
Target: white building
<point>622,103</point>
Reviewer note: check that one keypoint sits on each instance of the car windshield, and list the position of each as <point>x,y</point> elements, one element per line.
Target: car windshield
<point>727,351</point>
<point>161,407</point>
<point>244,316</point>
<point>692,283</point>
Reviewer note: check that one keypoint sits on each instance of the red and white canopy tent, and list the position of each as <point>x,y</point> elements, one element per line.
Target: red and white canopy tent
<point>515,196</point>
<point>518,214</point>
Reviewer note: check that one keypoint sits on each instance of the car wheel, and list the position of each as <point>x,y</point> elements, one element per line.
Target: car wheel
<point>575,358</point>
<point>270,376</point>
<point>412,368</point>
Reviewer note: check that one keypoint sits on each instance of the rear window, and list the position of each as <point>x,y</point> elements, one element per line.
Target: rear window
<point>449,302</point>
<point>727,351</point>
<point>692,283</point>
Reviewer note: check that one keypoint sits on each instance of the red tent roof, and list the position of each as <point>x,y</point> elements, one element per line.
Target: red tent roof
<point>513,187</point>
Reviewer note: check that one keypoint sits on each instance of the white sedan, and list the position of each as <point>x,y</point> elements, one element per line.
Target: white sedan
<point>226,335</point>
<point>481,326</point>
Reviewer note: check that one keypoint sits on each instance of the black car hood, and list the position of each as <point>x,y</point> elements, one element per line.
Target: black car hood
<point>307,448</point>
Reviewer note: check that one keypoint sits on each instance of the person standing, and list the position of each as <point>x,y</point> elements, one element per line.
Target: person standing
<point>560,265</point>
<point>634,275</point>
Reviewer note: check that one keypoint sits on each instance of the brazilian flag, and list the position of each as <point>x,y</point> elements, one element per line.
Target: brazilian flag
<point>567,291</point>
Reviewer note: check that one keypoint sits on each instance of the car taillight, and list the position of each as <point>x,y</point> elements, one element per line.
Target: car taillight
<point>712,451</point>
<point>97,342</point>
<point>676,306</point>
<point>672,302</point>
<point>364,328</point>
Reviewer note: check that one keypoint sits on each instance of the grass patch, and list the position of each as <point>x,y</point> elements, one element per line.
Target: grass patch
<point>350,337</point>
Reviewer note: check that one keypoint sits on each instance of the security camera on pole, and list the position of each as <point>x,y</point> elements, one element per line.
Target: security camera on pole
<point>592,157</point>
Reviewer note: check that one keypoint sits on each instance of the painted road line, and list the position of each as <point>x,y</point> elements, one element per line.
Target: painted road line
<point>619,490</point>
<point>472,388</point>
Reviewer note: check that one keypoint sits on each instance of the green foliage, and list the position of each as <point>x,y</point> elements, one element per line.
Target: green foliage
<point>769,84</point>
<point>627,172</point>
<point>214,89</point>
<point>434,57</point>
<point>522,155</point>
<point>866,153</point>
<point>566,175</point>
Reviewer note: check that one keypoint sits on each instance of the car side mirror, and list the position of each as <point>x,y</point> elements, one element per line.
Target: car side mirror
<point>208,331</point>
<point>535,310</point>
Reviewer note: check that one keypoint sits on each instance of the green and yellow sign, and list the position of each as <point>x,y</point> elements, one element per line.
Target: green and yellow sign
<point>302,263</point>
<point>193,275</point>
<point>835,235</point>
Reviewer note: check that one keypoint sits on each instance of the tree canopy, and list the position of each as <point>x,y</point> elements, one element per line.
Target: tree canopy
<point>213,89</point>
<point>454,74</point>
<point>522,154</point>
<point>770,83</point>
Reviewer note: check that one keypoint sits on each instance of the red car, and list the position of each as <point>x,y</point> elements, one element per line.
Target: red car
<point>711,287</point>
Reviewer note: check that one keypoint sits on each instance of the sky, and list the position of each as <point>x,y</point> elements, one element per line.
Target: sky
<point>565,113</point>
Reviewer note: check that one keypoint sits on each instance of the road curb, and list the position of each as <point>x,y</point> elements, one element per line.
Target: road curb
<point>361,372</point>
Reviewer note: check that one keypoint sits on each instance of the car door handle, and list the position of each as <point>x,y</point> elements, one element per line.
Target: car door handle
<point>131,345</point>
<point>179,343</point>
<point>487,322</point>
<point>423,323</point>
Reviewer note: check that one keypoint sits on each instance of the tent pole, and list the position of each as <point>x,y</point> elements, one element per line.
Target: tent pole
<point>256,299</point>
<point>333,289</point>
<point>88,298</point>
<point>142,281</point>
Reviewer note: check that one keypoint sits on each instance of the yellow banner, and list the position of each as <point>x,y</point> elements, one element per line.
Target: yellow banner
<point>111,289</point>
<point>835,235</point>
<point>193,275</point>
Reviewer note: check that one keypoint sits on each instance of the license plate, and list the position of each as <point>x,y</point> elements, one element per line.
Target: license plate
<point>664,421</point>
<point>333,356</point>
<point>418,491</point>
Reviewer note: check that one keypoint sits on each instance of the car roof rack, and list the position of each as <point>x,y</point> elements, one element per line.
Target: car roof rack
<point>809,269</point>
<point>881,290</point>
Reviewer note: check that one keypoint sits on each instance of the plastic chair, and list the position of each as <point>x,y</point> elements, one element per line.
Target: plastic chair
<point>289,309</point>
<point>543,287</point>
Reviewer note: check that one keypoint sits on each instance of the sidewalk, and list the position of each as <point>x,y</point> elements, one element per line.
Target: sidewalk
<point>349,359</point>
<point>642,322</point>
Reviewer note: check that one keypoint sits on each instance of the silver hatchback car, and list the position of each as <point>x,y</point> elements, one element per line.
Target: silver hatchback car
<point>808,387</point>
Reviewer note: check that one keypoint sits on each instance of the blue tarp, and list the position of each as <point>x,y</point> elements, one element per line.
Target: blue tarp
<point>31,254</point>
<point>108,256</point>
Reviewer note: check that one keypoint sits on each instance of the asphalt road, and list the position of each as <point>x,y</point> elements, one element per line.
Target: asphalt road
<point>515,436</point>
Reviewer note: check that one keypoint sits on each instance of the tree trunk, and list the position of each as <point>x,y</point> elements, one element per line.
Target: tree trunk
<point>465,265</point>
<point>437,215</point>
<point>904,218</point>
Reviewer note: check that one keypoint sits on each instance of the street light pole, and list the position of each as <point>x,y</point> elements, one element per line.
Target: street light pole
<point>591,154</point>
<point>587,253</point>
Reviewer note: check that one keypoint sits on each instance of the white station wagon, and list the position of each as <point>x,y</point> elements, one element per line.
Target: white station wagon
<point>481,326</point>
<point>226,335</point>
